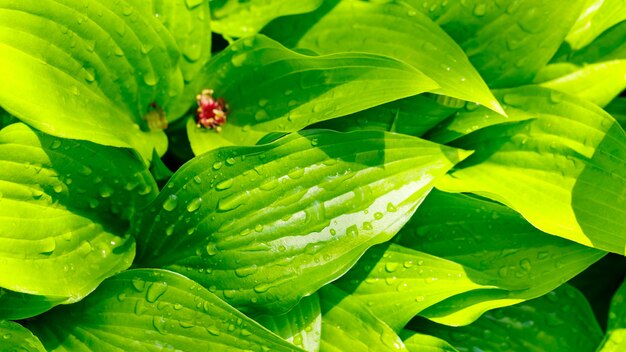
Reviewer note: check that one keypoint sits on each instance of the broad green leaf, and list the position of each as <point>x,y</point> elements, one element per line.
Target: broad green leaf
<point>302,325</point>
<point>65,211</point>
<point>564,169</point>
<point>615,339</point>
<point>149,309</point>
<point>266,225</point>
<point>457,258</point>
<point>14,337</point>
<point>416,342</point>
<point>235,18</point>
<point>87,72</point>
<point>347,325</point>
<point>507,41</point>
<point>272,89</point>
<point>413,116</point>
<point>611,45</point>
<point>598,83</point>
<point>189,23</point>
<point>596,17</point>
<point>394,30</point>
<point>17,305</point>
<point>559,321</point>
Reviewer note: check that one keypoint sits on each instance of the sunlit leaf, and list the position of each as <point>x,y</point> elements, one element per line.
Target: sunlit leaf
<point>65,207</point>
<point>264,226</point>
<point>596,17</point>
<point>416,342</point>
<point>146,309</point>
<point>563,167</point>
<point>292,91</point>
<point>394,30</point>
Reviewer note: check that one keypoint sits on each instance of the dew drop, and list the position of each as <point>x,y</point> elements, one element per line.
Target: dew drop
<point>217,165</point>
<point>211,249</point>
<point>138,284</point>
<point>106,191</point>
<point>226,184</point>
<point>194,205</point>
<point>159,324</point>
<point>391,208</point>
<point>391,267</point>
<point>261,288</point>
<point>56,144</point>
<point>170,203</point>
<point>155,291</point>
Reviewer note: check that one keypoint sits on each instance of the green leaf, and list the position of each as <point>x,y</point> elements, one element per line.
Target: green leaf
<point>393,30</point>
<point>145,308</point>
<point>616,327</point>
<point>302,325</point>
<point>617,109</point>
<point>598,83</point>
<point>189,24</point>
<point>347,325</point>
<point>457,258</point>
<point>611,45</point>
<point>95,78</point>
<point>17,305</point>
<point>235,18</point>
<point>564,169</point>
<point>292,91</point>
<point>416,342</point>
<point>559,321</point>
<point>14,337</point>
<point>596,17</point>
<point>65,207</point>
<point>507,41</point>
<point>266,225</point>
<point>413,116</point>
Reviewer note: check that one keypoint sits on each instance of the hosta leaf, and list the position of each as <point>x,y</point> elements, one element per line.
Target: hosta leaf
<point>14,337</point>
<point>559,321</point>
<point>17,305</point>
<point>292,91</point>
<point>598,83</point>
<point>413,116</point>
<point>564,169</point>
<point>94,78</point>
<point>237,19</point>
<point>416,342</point>
<point>264,226</point>
<point>507,41</point>
<point>471,255</point>
<point>596,17</point>
<point>347,325</point>
<point>615,339</point>
<point>145,309</point>
<point>189,24</point>
<point>302,325</point>
<point>611,45</point>
<point>617,109</point>
<point>340,26</point>
<point>65,207</point>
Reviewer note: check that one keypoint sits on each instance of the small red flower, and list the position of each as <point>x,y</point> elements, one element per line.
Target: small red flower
<point>211,113</point>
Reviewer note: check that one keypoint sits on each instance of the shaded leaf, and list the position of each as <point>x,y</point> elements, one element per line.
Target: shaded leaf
<point>616,327</point>
<point>457,258</point>
<point>95,78</point>
<point>507,41</point>
<point>302,325</point>
<point>237,19</point>
<point>17,305</point>
<point>617,109</point>
<point>610,45</point>
<point>563,168</point>
<point>292,91</point>
<point>14,337</point>
<point>347,325</point>
<point>559,321</point>
<point>145,308</point>
<point>264,226</point>
<point>66,207</point>
<point>358,26</point>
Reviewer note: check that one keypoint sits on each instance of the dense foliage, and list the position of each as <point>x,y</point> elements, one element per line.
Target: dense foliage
<point>319,175</point>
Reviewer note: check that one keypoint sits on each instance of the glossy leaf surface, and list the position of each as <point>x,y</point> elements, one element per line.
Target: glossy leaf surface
<point>14,337</point>
<point>357,26</point>
<point>559,321</point>
<point>145,309</point>
<point>293,90</point>
<point>65,207</point>
<point>458,257</point>
<point>563,167</point>
<point>264,226</point>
